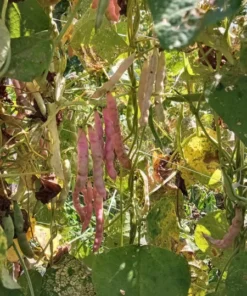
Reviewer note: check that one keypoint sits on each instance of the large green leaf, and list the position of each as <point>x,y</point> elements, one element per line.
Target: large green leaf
<point>106,42</point>
<point>168,15</point>
<point>177,22</point>
<point>26,18</point>
<point>236,281</point>
<point>144,271</point>
<point>36,279</point>
<point>30,57</point>
<point>227,97</point>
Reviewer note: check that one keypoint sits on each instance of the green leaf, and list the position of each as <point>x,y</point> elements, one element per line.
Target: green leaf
<point>177,22</point>
<point>144,271</point>
<point>227,97</point>
<point>225,8</point>
<point>215,225</point>
<point>4,43</point>
<point>26,18</point>
<point>106,42</point>
<point>236,281</point>
<point>7,280</point>
<point>3,247</point>
<point>36,280</point>
<point>30,57</point>
<point>8,292</point>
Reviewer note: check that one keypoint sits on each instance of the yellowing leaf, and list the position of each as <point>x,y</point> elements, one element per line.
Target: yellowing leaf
<point>215,179</point>
<point>43,236</point>
<point>162,228</point>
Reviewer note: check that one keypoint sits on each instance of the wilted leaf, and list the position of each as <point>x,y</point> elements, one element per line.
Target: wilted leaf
<point>48,189</point>
<point>236,281</point>
<point>141,271</point>
<point>227,97</point>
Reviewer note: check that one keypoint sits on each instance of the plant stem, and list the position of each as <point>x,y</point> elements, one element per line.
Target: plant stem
<point>25,270</point>
<point>4,8</point>
<point>68,23</point>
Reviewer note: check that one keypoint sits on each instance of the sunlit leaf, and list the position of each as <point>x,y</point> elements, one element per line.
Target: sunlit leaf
<point>26,18</point>
<point>177,23</point>
<point>29,57</point>
<point>215,225</point>
<point>142,271</point>
<point>106,42</point>
<point>215,179</point>
<point>227,97</point>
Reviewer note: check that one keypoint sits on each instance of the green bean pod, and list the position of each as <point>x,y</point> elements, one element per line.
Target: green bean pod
<point>24,245</point>
<point>130,113</point>
<point>153,130</point>
<point>9,230</point>
<point>18,219</point>
<point>100,13</point>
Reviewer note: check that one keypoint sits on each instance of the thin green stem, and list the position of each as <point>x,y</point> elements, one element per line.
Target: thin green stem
<point>68,23</point>
<point>121,208</point>
<point>29,282</point>
<point>4,9</point>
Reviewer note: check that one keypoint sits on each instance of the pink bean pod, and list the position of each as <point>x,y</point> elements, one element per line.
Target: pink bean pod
<point>109,149</point>
<point>88,199</point>
<point>99,129</point>
<point>97,156</point>
<point>99,213</point>
<point>117,137</point>
<point>82,172</point>
<point>95,4</point>
<point>232,233</point>
<point>113,11</point>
